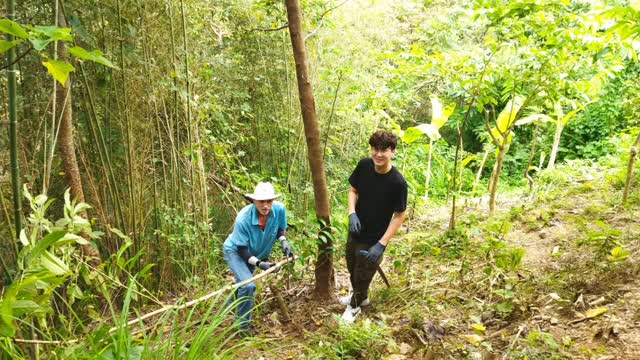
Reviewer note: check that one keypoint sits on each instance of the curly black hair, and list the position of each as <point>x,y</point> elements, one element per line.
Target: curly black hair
<point>381,140</point>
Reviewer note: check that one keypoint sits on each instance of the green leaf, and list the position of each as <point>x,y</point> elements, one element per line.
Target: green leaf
<point>412,135</point>
<point>46,242</point>
<point>54,264</point>
<point>95,56</point>
<point>618,253</point>
<point>467,160</point>
<point>7,45</point>
<point>504,307</point>
<point>54,33</point>
<point>39,44</point>
<point>10,27</point>
<point>71,238</point>
<point>59,70</point>
<point>21,307</point>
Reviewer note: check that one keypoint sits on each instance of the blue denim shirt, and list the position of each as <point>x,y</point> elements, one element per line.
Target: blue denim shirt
<point>247,232</point>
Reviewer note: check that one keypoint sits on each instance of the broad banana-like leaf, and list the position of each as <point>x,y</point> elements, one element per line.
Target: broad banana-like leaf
<point>508,114</point>
<point>430,130</point>
<point>467,160</point>
<point>534,118</point>
<point>440,114</point>
<point>414,133</point>
<point>573,113</point>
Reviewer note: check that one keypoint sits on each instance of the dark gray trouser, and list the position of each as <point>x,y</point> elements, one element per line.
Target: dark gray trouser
<point>361,270</point>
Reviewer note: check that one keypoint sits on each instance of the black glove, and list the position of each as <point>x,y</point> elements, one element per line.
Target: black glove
<point>265,265</point>
<point>286,248</point>
<point>375,252</point>
<point>354,224</point>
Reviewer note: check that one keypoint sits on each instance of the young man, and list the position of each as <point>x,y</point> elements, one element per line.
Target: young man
<point>377,204</point>
<point>255,231</point>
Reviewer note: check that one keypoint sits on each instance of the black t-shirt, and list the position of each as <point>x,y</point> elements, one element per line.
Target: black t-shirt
<point>379,196</point>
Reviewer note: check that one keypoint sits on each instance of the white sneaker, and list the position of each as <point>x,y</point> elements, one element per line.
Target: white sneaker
<point>346,300</point>
<point>349,315</point>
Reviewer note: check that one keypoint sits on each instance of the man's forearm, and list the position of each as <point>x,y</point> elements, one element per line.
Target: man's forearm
<point>394,225</point>
<point>352,199</point>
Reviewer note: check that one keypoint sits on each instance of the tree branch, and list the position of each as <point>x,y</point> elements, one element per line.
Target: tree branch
<point>322,18</point>
<point>286,25</point>
<point>17,59</point>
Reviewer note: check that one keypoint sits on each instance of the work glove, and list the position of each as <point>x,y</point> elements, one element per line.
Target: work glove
<point>354,224</point>
<point>375,252</point>
<point>265,265</point>
<point>286,247</point>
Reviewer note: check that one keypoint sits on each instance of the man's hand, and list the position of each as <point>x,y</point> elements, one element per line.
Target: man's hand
<point>286,247</point>
<point>375,252</point>
<point>354,224</point>
<point>265,265</point>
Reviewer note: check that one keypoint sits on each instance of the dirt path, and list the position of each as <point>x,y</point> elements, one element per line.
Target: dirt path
<point>560,283</point>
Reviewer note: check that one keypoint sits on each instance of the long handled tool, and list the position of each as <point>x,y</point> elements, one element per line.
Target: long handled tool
<point>166,308</point>
<point>382,275</point>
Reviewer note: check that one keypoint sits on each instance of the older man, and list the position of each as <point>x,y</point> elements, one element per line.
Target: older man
<point>255,231</point>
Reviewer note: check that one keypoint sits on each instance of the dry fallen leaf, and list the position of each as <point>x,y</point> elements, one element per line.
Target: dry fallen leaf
<point>473,339</point>
<point>405,348</point>
<point>591,313</point>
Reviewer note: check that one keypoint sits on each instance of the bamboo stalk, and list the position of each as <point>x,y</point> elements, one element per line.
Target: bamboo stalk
<point>177,178</point>
<point>187,119</point>
<point>13,127</point>
<point>128,131</point>
<point>103,151</point>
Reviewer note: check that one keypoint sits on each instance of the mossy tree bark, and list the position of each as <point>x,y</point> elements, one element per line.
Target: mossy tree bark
<point>66,144</point>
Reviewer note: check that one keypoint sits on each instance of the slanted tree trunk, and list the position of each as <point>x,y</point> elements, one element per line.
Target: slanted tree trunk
<point>633,154</point>
<point>495,177</point>
<point>428,174</point>
<point>324,266</point>
<point>480,168</point>
<point>13,128</point>
<point>65,140</point>
<point>556,144</point>
<point>452,219</point>
<point>531,154</point>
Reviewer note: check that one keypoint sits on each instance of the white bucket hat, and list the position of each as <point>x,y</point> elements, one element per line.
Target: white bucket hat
<point>263,191</point>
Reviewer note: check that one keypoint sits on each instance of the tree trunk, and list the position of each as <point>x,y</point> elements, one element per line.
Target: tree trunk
<point>531,154</point>
<point>479,174</point>
<point>495,177</point>
<point>633,154</point>
<point>13,128</point>
<point>65,143</point>
<point>452,219</point>
<point>556,145</point>
<point>324,266</point>
<point>428,174</point>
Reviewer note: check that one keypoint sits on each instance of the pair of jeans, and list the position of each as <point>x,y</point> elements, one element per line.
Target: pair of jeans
<point>245,294</point>
<point>361,270</point>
